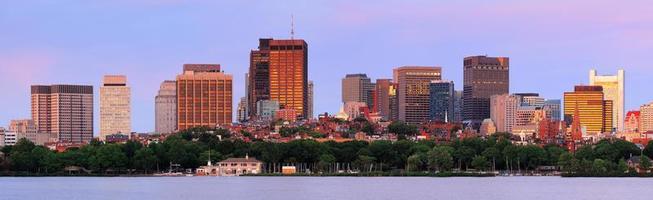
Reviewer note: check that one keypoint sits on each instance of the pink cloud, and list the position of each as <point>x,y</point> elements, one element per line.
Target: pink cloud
<point>24,68</point>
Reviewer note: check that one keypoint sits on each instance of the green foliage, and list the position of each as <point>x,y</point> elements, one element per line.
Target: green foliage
<point>480,163</point>
<point>645,163</point>
<point>402,129</point>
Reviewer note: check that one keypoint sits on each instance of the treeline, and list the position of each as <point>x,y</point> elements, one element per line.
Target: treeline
<point>193,147</point>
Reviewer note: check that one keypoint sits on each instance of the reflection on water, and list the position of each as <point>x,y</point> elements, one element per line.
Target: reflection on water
<point>271,188</point>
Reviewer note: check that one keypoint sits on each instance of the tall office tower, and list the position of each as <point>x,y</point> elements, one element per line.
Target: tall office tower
<point>458,106</point>
<point>382,98</point>
<point>356,88</point>
<point>632,123</point>
<point>310,101</point>
<point>279,71</point>
<point>594,112</point>
<point>115,106</point>
<point>242,110</point>
<point>614,90</point>
<point>166,107</point>
<point>503,109</point>
<point>204,96</point>
<point>553,109</point>
<point>26,128</point>
<point>246,104</point>
<point>413,91</point>
<point>393,102</point>
<point>483,77</point>
<point>441,103</point>
<point>646,117</point>
<point>64,110</point>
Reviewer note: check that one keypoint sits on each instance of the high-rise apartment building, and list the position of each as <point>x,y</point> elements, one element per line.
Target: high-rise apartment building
<point>413,91</point>
<point>503,111</point>
<point>115,106</point>
<point>65,111</point>
<point>646,117</point>
<point>204,96</point>
<point>613,90</point>
<point>483,77</point>
<point>166,107</point>
<point>382,98</point>
<point>441,103</point>
<point>279,71</point>
<point>595,112</point>
<point>357,88</point>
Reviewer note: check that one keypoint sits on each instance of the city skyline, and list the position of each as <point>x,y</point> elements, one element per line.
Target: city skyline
<point>38,53</point>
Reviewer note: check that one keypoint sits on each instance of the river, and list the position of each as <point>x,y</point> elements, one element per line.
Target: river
<point>273,188</point>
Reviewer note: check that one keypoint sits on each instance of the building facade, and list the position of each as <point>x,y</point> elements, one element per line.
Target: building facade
<point>483,77</point>
<point>503,111</point>
<point>613,90</point>
<point>646,117</point>
<point>357,87</point>
<point>382,98</point>
<point>165,109</point>
<point>632,123</point>
<point>279,71</point>
<point>310,97</point>
<point>413,91</point>
<point>26,128</point>
<point>266,109</point>
<point>204,96</point>
<point>441,103</point>
<point>595,113</point>
<point>115,106</point>
<point>64,110</point>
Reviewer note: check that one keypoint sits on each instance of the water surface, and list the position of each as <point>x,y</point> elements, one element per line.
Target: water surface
<point>273,188</point>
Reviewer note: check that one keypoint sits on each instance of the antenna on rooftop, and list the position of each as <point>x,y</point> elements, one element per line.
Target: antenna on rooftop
<point>292,27</point>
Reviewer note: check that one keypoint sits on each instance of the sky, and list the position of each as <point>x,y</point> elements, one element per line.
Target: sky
<point>552,44</point>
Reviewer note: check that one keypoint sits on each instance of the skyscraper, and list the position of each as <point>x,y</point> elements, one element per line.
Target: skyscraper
<point>458,106</point>
<point>614,90</point>
<point>483,77</point>
<point>115,106</point>
<point>166,107</point>
<point>310,100</point>
<point>204,96</point>
<point>413,91</point>
<point>64,110</point>
<point>242,110</point>
<point>441,103</point>
<point>382,98</point>
<point>594,112</point>
<point>503,111</point>
<point>356,88</point>
<point>279,71</point>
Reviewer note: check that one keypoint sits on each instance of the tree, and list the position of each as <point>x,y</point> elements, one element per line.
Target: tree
<point>492,153</point>
<point>599,166</point>
<point>145,159</point>
<point>214,156</point>
<point>622,167</point>
<point>565,162</point>
<point>645,163</point>
<point>326,160</point>
<point>415,162</point>
<point>440,159</point>
<point>480,163</point>
<point>648,151</point>
<point>402,129</point>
